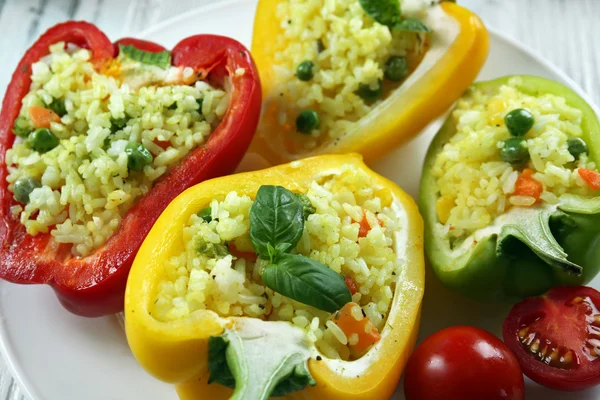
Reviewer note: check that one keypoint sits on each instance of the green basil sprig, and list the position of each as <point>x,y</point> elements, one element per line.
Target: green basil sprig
<point>387,12</point>
<point>276,226</point>
<point>276,219</point>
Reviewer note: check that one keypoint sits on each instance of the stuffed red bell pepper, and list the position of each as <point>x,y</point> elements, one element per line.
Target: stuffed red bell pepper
<point>97,138</point>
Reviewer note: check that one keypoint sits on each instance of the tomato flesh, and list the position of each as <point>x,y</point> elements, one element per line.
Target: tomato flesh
<point>556,337</point>
<point>463,363</point>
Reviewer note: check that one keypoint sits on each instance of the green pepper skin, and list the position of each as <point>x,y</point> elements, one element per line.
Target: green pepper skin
<point>481,272</point>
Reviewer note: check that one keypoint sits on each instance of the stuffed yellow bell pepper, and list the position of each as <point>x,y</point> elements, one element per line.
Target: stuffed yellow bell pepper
<point>361,76</point>
<point>304,280</point>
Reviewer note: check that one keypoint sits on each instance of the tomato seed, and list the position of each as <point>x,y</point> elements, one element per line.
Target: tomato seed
<point>523,332</point>
<point>535,346</point>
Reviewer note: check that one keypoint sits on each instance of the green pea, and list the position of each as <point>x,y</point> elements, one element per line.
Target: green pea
<point>396,68</point>
<point>577,147</point>
<point>307,121</point>
<point>514,151</point>
<point>42,140</point>
<point>519,122</point>
<point>23,188</point>
<point>305,71</point>
<point>370,93</point>
<point>200,102</point>
<point>205,214</point>
<point>22,127</point>
<point>137,156</point>
<point>58,106</point>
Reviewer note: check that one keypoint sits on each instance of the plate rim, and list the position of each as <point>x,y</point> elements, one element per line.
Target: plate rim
<point>14,367</point>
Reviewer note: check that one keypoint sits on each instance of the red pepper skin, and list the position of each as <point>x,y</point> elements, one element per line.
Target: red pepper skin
<point>94,285</point>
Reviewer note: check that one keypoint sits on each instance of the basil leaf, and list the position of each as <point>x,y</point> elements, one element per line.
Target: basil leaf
<point>386,12</point>
<point>275,218</point>
<point>308,208</point>
<point>307,281</point>
<point>411,25</point>
<point>161,59</point>
<point>217,362</point>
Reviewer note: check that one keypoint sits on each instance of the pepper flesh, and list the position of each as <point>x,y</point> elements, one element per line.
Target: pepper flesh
<point>485,272</point>
<point>177,351</point>
<point>402,115</point>
<point>95,285</point>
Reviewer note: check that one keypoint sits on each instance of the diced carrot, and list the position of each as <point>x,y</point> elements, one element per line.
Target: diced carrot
<point>592,178</point>
<point>526,185</point>
<point>162,144</point>
<point>42,117</point>
<point>352,320</point>
<point>365,227</point>
<point>248,255</point>
<point>352,285</point>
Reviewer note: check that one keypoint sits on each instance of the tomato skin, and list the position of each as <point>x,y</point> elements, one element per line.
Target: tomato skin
<point>567,317</point>
<point>463,363</point>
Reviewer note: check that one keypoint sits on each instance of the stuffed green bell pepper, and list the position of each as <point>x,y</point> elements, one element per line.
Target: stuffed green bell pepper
<point>509,191</point>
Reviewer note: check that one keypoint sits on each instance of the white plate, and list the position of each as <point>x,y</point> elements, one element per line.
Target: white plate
<point>56,355</point>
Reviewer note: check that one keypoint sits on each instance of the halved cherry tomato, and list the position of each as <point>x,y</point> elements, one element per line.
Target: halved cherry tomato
<point>463,363</point>
<point>556,337</point>
<point>526,185</point>
<point>42,117</point>
<point>592,178</point>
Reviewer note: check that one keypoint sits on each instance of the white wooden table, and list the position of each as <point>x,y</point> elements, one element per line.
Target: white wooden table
<point>564,31</point>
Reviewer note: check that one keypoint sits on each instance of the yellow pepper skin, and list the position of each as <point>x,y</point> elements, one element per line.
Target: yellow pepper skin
<point>176,351</point>
<point>398,118</point>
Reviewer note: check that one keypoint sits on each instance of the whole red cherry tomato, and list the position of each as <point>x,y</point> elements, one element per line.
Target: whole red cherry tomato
<point>556,337</point>
<point>463,363</point>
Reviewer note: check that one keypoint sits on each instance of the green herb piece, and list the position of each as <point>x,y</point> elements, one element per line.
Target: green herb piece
<point>577,147</point>
<point>23,188</point>
<point>308,208</point>
<point>370,93</point>
<point>205,214</point>
<point>276,217</point>
<point>305,72</point>
<point>280,350</point>
<point>519,122</point>
<point>58,106</point>
<point>22,126</point>
<point>307,281</point>
<point>138,156</point>
<point>396,68</point>
<point>161,59</point>
<point>117,124</point>
<point>172,106</point>
<point>42,140</point>
<point>386,12</point>
<point>411,25</point>
<point>200,102</point>
<point>514,151</point>
<point>307,121</point>
<point>211,250</point>
<point>320,45</point>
